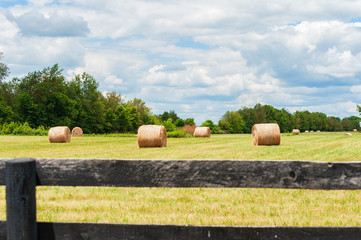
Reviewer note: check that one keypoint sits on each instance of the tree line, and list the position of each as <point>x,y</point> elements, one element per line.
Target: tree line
<point>241,121</point>
<point>47,98</point>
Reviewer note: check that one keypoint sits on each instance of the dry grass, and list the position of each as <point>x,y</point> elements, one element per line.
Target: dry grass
<point>268,207</point>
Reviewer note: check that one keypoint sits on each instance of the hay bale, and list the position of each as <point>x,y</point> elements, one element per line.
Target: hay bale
<point>59,134</point>
<point>266,134</point>
<point>307,131</point>
<point>152,136</point>
<point>77,132</point>
<point>355,130</point>
<point>348,134</point>
<point>311,131</point>
<point>318,131</point>
<point>202,132</point>
<point>296,131</point>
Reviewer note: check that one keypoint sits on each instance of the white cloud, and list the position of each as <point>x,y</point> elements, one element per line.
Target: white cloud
<point>113,80</point>
<point>347,109</point>
<point>274,52</point>
<point>58,23</point>
<point>356,89</point>
<point>338,63</point>
<point>156,68</point>
<point>40,2</point>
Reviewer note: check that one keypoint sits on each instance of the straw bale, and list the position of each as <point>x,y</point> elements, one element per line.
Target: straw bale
<point>296,131</point>
<point>77,132</point>
<point>202,132</point>
<point>266,134</point>
<point>152,136</point>
<point>59,134</point>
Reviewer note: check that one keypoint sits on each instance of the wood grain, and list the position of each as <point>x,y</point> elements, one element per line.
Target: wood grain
<point>93,231</point>
<point>20,199</point>
<point>196,173</point>
<point>199,173</point>
<point>2,170</point>
<point>179,173</point>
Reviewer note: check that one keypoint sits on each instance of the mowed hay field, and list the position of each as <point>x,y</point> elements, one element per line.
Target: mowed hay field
<point>213,206</point>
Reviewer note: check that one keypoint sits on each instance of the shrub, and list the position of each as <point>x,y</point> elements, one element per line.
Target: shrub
<point>214,128</point>
<point>16,128</point>
<point>169,125</point>
<point>178,134</point>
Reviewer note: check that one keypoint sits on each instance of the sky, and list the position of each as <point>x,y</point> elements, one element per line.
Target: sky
<point>199,58</point>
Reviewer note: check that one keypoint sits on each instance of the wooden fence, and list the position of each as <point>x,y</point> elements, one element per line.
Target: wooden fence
<point>21,176</point>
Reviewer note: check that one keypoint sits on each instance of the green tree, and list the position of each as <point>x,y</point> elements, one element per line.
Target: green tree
<point>122,121</point>
<point>164,117</point>
<point>111,102</point>
<point>6,113</point>
<point>41,98</point>
<point>142,109</point>
<point>4,70</point>
<point>169,125</point>
<point>334,124</point>
<point>134,118</point>
<point>213,127</point>
<point>285,120</point>
<point>180,122</point>
<point>231,122</point>
<point>173,115</point>
<point>91,112</point>
<point>350,123</point>
<point>249,117</point>
<point>190,121</point>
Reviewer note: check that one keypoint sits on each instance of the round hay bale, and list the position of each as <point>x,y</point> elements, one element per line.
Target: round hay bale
<point>355,130</point>
<point>307,131</point>
<point>202,132</point>
<point>311,131</point>
<point>77,132</point>
<point>152,136</point>
<point>266,134</point>
<point>318,131</point>
<point>296,131</point>
<point>59,134</point>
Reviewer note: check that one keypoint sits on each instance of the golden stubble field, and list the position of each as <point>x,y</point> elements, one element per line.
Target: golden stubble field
<point>267,207</point>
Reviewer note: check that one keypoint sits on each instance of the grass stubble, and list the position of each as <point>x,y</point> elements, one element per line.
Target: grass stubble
<point>197,206</point>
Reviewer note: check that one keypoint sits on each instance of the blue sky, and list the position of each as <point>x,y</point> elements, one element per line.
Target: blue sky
<point>200,58</point>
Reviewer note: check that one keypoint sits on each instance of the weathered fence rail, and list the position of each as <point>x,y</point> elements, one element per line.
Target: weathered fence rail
<point>21,176</point>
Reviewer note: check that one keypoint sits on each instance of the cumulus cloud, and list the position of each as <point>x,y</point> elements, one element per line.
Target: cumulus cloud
<point>356,89</point>
<point>332,109</point>
<point>113,80</point>
<point>57,24</point>
<point>198,58</point>
<point>338,63</point>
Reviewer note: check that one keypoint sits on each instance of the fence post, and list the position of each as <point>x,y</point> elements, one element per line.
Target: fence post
<point>20,199</point>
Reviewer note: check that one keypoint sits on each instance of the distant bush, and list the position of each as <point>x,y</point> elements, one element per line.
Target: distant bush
<point>16,128</point>
<point>214,128</point>
<point>178,134</point>
<point>169,125</point>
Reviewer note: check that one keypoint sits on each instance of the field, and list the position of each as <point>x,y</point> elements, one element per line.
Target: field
<point>267,207</point>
